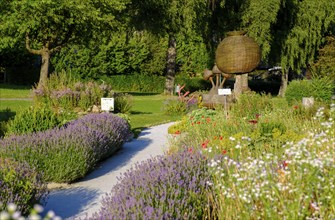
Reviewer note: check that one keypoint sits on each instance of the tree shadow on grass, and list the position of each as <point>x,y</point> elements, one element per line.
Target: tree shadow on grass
<point>6,114</point>
<point>140,113</point>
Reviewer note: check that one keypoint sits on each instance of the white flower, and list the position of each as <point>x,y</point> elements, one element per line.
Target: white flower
<point>11,207</point>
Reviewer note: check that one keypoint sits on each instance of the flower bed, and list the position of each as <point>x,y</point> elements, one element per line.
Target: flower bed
<point>68,153</point>
<point>165,187</point>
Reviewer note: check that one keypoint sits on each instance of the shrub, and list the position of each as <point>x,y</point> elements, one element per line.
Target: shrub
<point>165,187</point>
<point>122,103</point>
<point>250,104</point>
<point>20,184</point>
<point>65,92</point>
<point>297,89</point>
<point>37,118</point>
<point>321,88</point>
<point>137,83</point>
<point>173,106</point>
<point>68,153</point>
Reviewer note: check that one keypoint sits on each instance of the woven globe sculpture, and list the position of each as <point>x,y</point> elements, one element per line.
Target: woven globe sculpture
<point>237,53</point>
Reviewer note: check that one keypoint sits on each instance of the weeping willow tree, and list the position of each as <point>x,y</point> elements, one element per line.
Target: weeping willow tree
<point>289,32</point>
<point>312,23</point>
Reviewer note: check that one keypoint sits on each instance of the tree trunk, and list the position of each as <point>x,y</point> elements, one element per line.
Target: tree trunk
<point>44,67</point>
<point>283,83</point>
<point>170,66</point>
<point>240,85</point>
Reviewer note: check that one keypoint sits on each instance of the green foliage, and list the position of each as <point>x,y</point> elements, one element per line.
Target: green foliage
<point>252,104</point>
<point>174,106</point>
<point>258,19</point>
<point>59,22</point>
<point>297,89</point>
<point>311,21</point>
<point>123,53</point>
<point>123,103</point>
<point>136,83</point>
<point>325,65</point>
<point>37,118</point>
<point>193,84</point>
<point>321,88</point>
<point>192,56</point>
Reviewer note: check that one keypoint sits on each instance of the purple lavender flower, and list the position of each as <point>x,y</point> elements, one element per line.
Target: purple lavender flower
<point>164,187</point>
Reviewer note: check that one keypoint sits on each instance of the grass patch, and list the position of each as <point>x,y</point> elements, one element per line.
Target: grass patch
<point>14,91</point>
<point>147,111</point>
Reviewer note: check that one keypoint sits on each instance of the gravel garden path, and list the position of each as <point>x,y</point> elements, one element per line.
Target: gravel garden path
<point>75,201</point>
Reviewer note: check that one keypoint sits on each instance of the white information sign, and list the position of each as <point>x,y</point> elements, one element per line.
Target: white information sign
<point>107,104</point>
<point>224,91</point>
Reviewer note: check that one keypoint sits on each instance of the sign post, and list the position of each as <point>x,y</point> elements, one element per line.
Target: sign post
<point>225,93</point>
<point>107,104</point>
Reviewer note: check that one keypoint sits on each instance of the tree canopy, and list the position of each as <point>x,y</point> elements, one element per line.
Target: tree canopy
<point>48,25</point>
<point>130,36</point>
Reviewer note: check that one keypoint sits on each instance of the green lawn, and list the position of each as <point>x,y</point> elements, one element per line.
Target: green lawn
<point>146,110</point>
<point>14,91</point>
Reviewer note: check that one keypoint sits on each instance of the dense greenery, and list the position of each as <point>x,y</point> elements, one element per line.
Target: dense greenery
<point>128,38</point>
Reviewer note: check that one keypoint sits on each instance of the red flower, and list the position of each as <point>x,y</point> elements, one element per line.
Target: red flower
<point>198,122</point>
<point>224,151</point>
<point>285,164</point>
<point>253,121</point>
<point>208,120</point>
<point>204,144</point>
<point>190,150</point>
<point>257,116</point>
<point>177,132</point>
<point>295,107</point>
<point>221,137</point>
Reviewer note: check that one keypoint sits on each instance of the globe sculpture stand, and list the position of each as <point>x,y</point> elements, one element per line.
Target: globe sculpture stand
<point>217,78</point>
<point>238,54</point>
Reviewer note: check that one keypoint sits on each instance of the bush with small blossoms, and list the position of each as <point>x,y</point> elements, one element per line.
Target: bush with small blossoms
<point>20,184</point>
<point>173,186</point>
<point>70,152</point>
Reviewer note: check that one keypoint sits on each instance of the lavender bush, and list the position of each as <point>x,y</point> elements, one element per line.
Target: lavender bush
<point>68,153</point>
<point>20,184</point>
<point>63,91</point>
<point>165,187</point>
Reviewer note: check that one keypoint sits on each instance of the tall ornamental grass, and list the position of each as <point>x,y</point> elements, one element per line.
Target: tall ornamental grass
<point>164,187</point>
<point>70,152</point>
